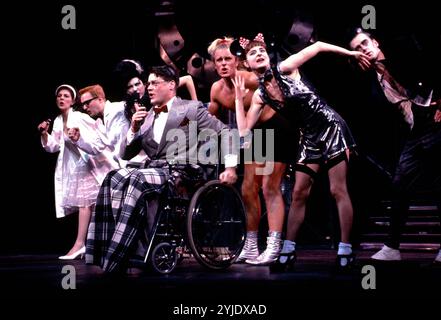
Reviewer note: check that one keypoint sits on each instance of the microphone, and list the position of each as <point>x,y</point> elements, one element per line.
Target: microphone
<point>41,129</point>
<point>135,98</point>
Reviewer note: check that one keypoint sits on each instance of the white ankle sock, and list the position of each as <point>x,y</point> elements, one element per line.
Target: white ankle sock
<point>288,246</point>
<point>344,248</point>
<point>252,234</point>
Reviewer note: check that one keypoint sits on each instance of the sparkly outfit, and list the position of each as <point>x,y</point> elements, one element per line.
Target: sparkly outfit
<point>323,133</point>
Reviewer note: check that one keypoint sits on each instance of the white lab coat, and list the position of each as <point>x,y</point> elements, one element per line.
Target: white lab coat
<point>99,165</point>
<point>112,132</point>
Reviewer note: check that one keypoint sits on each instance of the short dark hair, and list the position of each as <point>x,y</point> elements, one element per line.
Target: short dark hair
<point>353,32</point>
<point>166,72</point>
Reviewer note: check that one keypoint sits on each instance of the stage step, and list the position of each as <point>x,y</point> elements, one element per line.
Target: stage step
<point>423,246</point>
<point>421,232</point>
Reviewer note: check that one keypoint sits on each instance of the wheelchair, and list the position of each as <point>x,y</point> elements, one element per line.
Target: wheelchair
<point>199,217</point>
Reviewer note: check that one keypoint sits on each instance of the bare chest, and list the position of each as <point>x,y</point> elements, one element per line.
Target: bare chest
<point>227,97</point>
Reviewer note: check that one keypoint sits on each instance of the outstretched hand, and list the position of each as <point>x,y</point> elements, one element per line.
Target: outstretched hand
<point>362,60</point>
<point>239,86</point>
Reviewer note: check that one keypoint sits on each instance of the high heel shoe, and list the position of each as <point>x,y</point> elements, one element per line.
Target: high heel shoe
<point>74,255</point>
<point>345,261</point>
<point>287,264</point>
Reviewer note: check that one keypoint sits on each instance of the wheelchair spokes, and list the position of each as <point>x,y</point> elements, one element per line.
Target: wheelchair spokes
<point>164,258</point>
<point>212,225</point>
<point>216,225</point>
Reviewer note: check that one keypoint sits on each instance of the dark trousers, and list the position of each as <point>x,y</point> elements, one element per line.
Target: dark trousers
<point>419,169</point>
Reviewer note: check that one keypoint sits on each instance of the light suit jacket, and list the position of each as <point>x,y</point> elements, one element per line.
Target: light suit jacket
<point>188,117</point>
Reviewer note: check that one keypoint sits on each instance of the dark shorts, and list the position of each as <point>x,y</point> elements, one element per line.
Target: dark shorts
<point>273,140</point>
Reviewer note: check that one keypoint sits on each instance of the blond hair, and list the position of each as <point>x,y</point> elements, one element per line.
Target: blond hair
<point>220,43</point>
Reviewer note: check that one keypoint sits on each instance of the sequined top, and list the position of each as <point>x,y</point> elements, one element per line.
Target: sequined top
<point>324,134</point>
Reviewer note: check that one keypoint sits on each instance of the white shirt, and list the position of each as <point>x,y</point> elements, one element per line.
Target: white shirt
<point>160,121</point>
<point>158,125</point>
<point>230,160</point>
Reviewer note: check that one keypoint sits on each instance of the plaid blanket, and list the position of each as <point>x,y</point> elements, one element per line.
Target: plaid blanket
<point>120,215</point>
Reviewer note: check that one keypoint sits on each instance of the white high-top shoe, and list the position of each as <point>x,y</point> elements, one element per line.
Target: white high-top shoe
<point>250,249</point>
<point>272,251</point>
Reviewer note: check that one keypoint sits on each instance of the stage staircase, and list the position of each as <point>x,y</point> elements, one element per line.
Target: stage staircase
<point>422,231</point>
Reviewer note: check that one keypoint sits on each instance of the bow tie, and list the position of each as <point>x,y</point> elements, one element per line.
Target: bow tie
<point>160,109</point>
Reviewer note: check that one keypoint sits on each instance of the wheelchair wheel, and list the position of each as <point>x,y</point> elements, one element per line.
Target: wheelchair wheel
<point>164,258</point>
<point>216,225</point>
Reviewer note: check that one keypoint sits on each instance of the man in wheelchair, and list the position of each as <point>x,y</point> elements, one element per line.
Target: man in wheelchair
<point>122,212</point>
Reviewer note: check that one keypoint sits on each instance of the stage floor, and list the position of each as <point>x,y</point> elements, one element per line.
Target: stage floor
<point>314,279</point>
<point>315,269</point>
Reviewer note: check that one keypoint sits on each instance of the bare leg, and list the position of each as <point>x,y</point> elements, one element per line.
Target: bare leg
<point>300,194</point>
<point>339,190</point>
<point>250,194</point>
<point>276,212</point>
<point>273,197</point>
<point>83,224</point>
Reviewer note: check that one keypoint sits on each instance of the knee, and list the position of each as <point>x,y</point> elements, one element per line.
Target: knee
<point>300,194</point>
<point>338,191</point>
<point>270,191</point>
<point>249,192</point>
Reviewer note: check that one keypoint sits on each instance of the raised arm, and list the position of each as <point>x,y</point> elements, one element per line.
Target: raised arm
<point>50,142</point>
<point>188,82</point>
<point>296,60</point>
<point>246,122</point>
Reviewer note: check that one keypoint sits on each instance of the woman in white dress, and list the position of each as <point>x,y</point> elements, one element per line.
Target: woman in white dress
<point>77,174</point>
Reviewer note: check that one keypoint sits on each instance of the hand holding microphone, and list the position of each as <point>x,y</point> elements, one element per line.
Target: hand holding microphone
<point>44,126</point>
<point>138,117</point>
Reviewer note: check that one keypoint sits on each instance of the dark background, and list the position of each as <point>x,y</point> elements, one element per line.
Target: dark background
<point>40,55</point>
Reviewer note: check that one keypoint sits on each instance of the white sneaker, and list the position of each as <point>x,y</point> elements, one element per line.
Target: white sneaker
<point>438,257</point>
<point>387,254</point>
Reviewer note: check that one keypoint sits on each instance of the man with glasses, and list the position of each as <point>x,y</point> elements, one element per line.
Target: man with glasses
<point>111,124</point>
<point>123,211</point>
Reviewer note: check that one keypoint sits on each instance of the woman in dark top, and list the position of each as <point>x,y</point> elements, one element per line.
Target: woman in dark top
<point>325,138</point>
